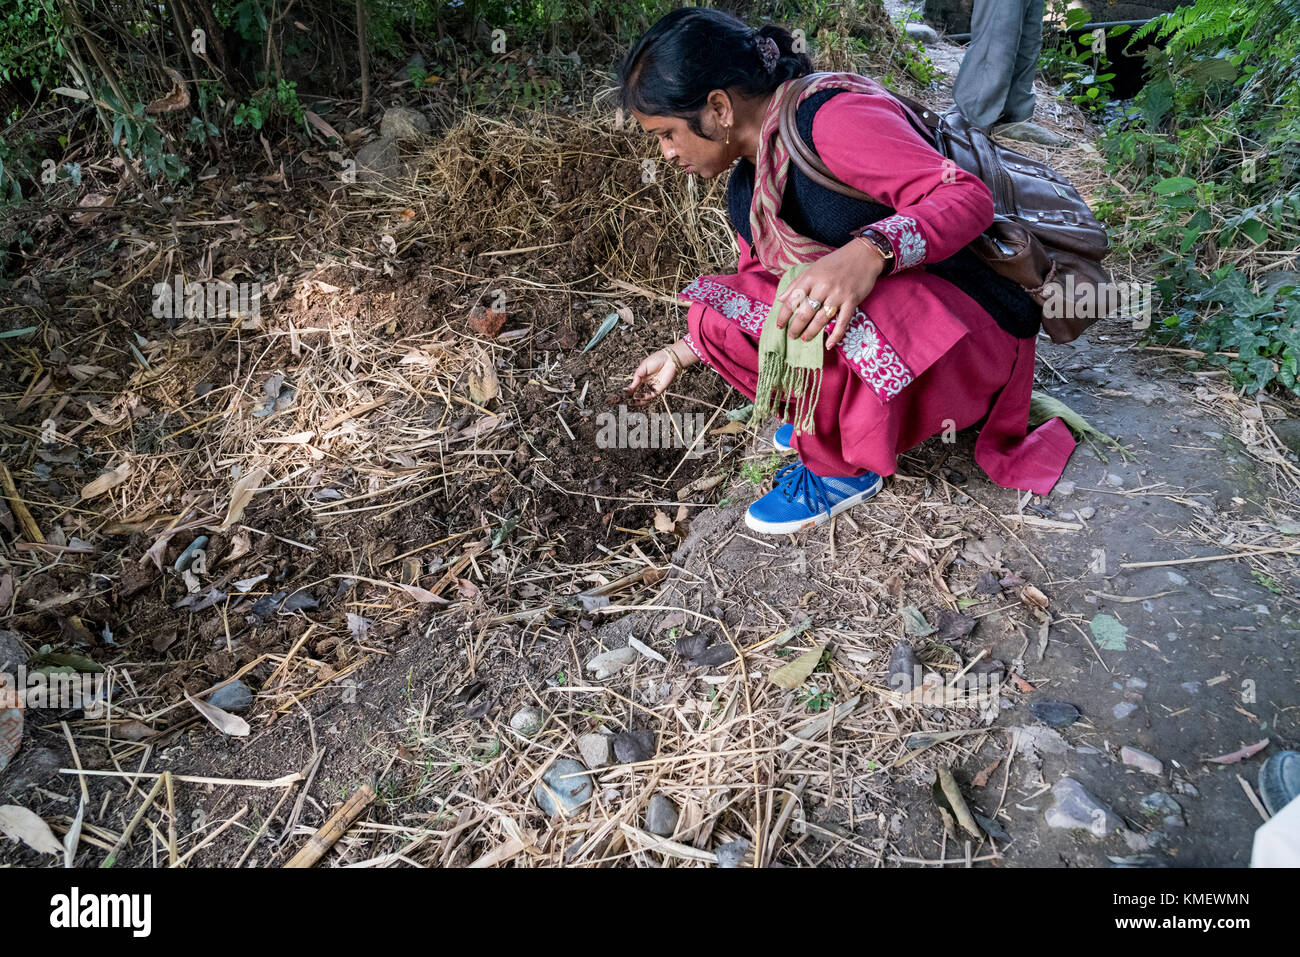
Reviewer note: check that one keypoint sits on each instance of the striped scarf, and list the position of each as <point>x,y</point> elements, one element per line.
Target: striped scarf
<point>776,244</point>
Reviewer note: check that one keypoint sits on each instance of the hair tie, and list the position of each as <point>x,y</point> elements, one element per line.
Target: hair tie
<point>769,51</point>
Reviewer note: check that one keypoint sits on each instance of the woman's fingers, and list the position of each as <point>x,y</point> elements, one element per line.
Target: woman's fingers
<point>841,326</point>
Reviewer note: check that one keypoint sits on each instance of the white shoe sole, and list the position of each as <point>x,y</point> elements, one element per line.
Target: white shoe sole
<point>798,525</point>
<point>781,448</point>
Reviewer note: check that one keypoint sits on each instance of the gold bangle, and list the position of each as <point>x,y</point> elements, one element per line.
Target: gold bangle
<point>676,361</point>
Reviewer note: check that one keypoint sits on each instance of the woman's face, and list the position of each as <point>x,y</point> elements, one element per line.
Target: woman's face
<point>704,157</point>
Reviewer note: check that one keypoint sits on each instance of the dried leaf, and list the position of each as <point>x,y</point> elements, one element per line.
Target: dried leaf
<point>177,99</point>
<point>241,495</point>
<point>109,480</point>
<point>73,836</point>
<point>1240,755</point>
<point>23,825</point>
<point>795,673</point>
<point>321,125</point>
<point>223,721</point>
<point>646,650</point>
<point>485,387</point>
<point>1032,596</point>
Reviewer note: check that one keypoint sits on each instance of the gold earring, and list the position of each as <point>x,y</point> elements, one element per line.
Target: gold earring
<point>728,134</point>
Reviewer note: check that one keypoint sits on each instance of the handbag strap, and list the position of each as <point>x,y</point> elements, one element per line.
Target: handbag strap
<point>924,120</point>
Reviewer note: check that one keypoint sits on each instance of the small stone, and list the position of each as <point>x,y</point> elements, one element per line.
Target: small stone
<point>12,653</point>
<point>902,668</point>
<point>235,696</point>
<point>1086,512</point>
<point>565,787</point>
<point>921,32</point>
<point>733,854</point>
<point>1159,804</point>
<point>661,816</point>
<point>610,663</point>
<point>1183,786</point>
<point>631,747</point>
<point>1141,760</point>
<point>1191,687</point>
<point>378,162</point>
<point>528,721</point>
<point>1076,809</point>
<point>1114,481</point>
<point>1054,714</point>
<point>1064,488</point>
<point>489,323</point>
<point>595,749</point>
<point>1123,710</point>
<point>1135,684</point>
<point>402,124</point>
<point>1176,578</point>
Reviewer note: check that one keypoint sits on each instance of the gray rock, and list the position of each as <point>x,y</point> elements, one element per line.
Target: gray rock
<point>1076,809</point>
<point>1136,684</point>
<point>1176,578</point>
<point>12,653</point>
<point>596,749</point>
<point>733,854</point>
<point>1141,760</point>
<point>1191,687</point>
<point>528,721</point>
<point>1159,804</point>
<point>1113,480</point>
<point>1123,710</point>
<point>564,788</point>
<point>1086,512</point>
<point>922,32</point>
<point>610,663</point>
<point>403,125</point>
<point>30,768</point>
<point>1055,714</point>
<point>661,816</point>
<point>378,162</point>
<point>902,668</point>
<point>1288,431</point>
<point>235,696</point>
<point>633,746</point>
<point>1184,786</point>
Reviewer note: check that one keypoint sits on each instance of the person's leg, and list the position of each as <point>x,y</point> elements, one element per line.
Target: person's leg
<point>1020,95</point>
<point>1018,110</point>
<point>984,79</point>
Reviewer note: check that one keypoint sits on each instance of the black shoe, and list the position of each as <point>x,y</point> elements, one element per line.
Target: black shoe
<point>1279,780</point>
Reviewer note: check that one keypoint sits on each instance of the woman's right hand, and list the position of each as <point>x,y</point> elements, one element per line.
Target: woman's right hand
<point>657,371</point>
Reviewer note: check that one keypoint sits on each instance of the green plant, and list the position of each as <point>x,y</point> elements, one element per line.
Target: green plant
<point>1206,162</point>
<point>1080,66</point>
<point>755,472</point>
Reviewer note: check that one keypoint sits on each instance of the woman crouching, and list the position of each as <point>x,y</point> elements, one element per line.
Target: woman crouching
<point>920,336</point>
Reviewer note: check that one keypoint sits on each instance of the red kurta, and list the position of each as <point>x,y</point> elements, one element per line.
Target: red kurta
<point>920,357</point>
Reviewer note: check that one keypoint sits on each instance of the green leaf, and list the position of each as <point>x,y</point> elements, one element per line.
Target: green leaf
<point>914,622</point>
<point>1175,184</point>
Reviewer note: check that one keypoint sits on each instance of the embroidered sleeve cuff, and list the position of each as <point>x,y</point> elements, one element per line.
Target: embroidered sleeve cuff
<point>904,235</point>
<point>690,341</point>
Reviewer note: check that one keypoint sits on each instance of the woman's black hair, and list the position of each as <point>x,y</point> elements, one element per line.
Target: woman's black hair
<point>694,50</point>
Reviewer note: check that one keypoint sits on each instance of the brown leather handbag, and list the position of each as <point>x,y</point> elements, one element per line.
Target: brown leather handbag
<point>1043,231</point>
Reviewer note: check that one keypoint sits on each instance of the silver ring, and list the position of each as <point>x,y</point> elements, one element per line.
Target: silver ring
<point>815,303</point>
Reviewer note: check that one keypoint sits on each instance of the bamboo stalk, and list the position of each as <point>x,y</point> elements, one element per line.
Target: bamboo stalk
<point>333,829</point>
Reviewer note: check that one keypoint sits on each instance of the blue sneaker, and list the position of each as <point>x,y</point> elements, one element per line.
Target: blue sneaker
<point>799,499</point>
<point>784,438</point>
